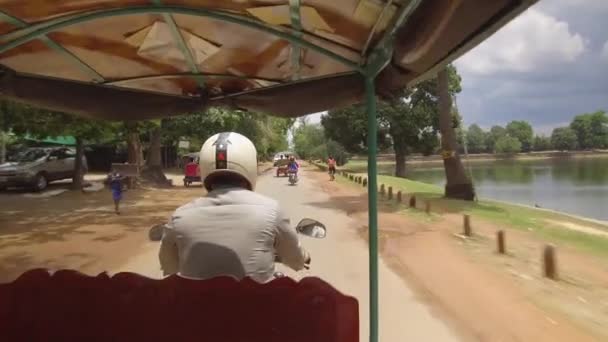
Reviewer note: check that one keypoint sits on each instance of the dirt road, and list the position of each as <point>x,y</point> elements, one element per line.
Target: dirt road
<point>340,259</point>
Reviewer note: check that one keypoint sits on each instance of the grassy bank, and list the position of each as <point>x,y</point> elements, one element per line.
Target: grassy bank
<point>547,225</point>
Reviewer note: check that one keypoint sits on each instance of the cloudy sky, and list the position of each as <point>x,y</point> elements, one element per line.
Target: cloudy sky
<point>545,66</point>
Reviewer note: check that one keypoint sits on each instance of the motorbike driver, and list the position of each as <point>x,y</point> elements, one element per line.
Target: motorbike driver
<point>293,165</point>
<point>232,230</point>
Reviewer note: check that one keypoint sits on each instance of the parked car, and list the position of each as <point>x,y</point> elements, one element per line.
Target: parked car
<point>38,166</point>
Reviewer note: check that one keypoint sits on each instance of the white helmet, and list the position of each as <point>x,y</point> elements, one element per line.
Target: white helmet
<point>228,153</point>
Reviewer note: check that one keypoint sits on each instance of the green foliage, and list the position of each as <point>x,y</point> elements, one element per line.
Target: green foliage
<point>496,132</point>
<point>307,141</point>
<point>269,134</point>
<point>522,130</point>
<point>23,119</point>
<point>542,143</point>
<point>564,139</point>
<point>310,142</point>
<point>409,117</point>
<point>476,139</point>
<point>349,127</point>
<point>591,130</point>
<point>508,145</point>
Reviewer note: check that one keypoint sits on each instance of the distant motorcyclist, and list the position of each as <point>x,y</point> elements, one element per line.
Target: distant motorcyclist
<point>293,165</point>
<point>232,230</point>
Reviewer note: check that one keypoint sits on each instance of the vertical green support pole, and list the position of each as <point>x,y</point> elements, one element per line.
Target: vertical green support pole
<point>370,102</point>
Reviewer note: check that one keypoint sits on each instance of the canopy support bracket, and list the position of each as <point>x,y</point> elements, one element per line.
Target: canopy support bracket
<point>372,190</point>
<point>181,44</point>
<point>296,51</point>
<point>190,74</point>
<point>97,77</point>
<point>378,59</point>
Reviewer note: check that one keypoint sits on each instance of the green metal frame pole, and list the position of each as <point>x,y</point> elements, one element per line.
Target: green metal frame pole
<point>372,183</point>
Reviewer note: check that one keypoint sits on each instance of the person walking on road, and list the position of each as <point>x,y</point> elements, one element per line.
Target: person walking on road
<point>115,182</point>
<point>331,166</point>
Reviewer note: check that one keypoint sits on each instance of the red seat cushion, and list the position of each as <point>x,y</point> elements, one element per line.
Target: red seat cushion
<point>70,306</point>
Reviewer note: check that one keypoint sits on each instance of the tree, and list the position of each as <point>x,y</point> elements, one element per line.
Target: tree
<point>310,142</point>
<point>476,139</point>
<point>349,127</point>
<point>307,139</point>
<point>496,132</point>
<point>408,116</point>
<point>268,134</point>
<point>542,143</point>
<point>564,139</point>
<point>458,185</point>
<point>43,123</point>
<point>508,145</point>
<point>522,131</point>
<point>591,130</point>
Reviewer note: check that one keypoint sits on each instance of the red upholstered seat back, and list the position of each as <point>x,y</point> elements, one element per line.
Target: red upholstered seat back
<point>70,306</point>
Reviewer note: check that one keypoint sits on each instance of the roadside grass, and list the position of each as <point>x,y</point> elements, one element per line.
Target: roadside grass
<point>393,206</point>
<point>512,216</point>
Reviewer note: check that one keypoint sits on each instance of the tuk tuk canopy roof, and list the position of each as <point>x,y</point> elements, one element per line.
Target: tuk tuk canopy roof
<point>142,59</point>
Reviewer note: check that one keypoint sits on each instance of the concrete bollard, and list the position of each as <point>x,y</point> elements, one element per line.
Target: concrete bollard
<point>427,207</point>
<point>351,178</point>
<point>390,192</point>
<point>365,182</point>
<point>549,262</point>
<point>413,201</point>
<point>399,196</point>
<point>500,242</point>
<point>467,225</point>
<point>382,190</point>
<point>360,180</point>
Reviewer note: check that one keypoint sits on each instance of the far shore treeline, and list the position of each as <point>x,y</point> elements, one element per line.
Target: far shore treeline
<point>585,132</point>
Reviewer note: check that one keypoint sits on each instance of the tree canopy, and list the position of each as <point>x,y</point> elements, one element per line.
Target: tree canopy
<point>591,130</point>
<point>564,139</point>
<point>522,131</point>
<point>508,145</point>
<point>311,142</point>
<point>476,139</point>
<point>408,121</point>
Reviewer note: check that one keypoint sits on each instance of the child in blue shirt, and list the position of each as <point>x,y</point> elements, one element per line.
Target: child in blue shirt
<point>115,182</point>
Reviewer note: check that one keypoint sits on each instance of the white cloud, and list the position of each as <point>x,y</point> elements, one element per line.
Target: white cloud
<point>534,40</point>
<point>604,53</point>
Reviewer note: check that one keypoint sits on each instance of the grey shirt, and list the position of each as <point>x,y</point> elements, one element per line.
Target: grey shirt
<point>231,231</point>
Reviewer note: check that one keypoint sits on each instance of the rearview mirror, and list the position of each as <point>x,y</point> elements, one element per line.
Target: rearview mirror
<point>312,228</point>
<point>156,232</point>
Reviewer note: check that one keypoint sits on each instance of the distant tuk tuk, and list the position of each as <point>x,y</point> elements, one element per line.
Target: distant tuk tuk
<point>192,171</point>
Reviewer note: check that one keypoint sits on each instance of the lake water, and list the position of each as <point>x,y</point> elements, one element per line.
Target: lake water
<point>576,186</point>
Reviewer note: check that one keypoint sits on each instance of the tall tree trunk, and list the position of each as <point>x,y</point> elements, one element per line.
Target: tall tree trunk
<point>153,171</point>
<point>154,151</point>
<point>134,148</point>
<point>400,155</point>
<point>458,184</point>
<point>3,138</point>
<point>77,180</point>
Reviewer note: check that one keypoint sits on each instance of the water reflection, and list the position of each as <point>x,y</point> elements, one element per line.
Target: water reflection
<point>578,186</point>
